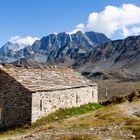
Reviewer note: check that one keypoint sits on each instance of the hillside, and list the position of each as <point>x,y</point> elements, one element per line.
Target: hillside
<point>120,121</point>
<point>118,59</point>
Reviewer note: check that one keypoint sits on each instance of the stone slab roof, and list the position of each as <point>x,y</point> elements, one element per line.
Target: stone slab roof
<point>42,79</point>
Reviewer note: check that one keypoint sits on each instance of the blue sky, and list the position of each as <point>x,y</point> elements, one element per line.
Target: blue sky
<point>40,17</point>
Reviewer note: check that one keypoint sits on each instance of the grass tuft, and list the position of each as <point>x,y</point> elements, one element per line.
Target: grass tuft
<point>65,113</point>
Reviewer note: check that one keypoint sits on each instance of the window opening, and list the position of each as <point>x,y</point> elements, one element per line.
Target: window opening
<point>92,94</point>
<point>77,98</point>
<point>40,105</point>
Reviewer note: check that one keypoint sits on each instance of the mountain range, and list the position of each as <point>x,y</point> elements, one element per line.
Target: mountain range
<point>52,46</point>
<point>119,59</point>
<point>91,53</point>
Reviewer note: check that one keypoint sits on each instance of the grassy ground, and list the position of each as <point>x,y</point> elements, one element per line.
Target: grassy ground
<point>108,122</point>
<point>61,114</point>
<point>88,122</point>
<point>134,126</point>
<point>65,113</point>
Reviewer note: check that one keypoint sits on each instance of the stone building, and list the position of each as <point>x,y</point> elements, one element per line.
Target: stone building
<point>26,94</point>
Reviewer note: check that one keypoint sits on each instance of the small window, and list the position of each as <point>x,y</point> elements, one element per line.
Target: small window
<point>93,95</point>
<point>40,105</point>
<point>77,98</point>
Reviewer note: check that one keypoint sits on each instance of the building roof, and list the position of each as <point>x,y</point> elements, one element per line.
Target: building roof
<point>42,79</point>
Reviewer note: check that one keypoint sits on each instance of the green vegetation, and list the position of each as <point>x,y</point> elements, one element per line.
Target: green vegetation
<point>54,117</point>
<point>102,117</point>
<point>65,113</point>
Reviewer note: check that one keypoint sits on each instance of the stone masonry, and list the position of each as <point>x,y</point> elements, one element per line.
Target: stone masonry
<point>27,94</point>
<point>46,102</point>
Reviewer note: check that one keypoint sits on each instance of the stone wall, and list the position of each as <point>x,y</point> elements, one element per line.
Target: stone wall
<point>46,102</point>
<point>15,102</point>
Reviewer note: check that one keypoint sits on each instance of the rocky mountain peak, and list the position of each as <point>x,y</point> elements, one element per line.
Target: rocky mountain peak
<point>54,46</point>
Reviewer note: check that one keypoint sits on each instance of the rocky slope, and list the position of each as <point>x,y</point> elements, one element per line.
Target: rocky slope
<point>120,58</point>
<point>12,52</point>
<point>8,52</point>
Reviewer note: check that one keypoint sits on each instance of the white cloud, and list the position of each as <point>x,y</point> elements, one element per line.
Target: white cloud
<point>23,41</point>
<point>79,27</point>
<point>133,31</point>
<point>124,20</point>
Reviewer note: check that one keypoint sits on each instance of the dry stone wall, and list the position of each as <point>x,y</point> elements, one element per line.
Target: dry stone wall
<point>44,103</point>
<point>15,102</point>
